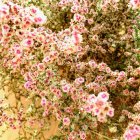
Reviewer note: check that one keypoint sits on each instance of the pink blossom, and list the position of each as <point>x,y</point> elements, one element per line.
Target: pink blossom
<point>28,84</point>
<point>46,59</point>
<point>76,38</point>
<point>66,88</point>
<point>80,66</point>
<point>41,67</point>
<point>112,84</point>
<point>33,10</point>
<point>4,10</point>
<point>53,54</point>
<point>92,64</point>
<point>38,15</point>
<point>96,111</point>
<point>91,98</point>
<point>40,20</point>
<point>74,9</point>
<point>58,93</point>
<point>132,132</point>
<point>5,29</point>
<point>135,3</point>
<point>78,17</point>
<point>79,80</point>
<point>104,96</point>
<point>132,93</point>
<point>114,73</point>
<point>126,92</point>
<point>90,21</point>
<point>72,135</point>
<point>99,78</point>
<point>87,109</point>
<point>131,80</point>
<point>121,76</point>
<point>43,101</point>
<point>102,119</point>
<point>66,121</point>
<point>108,70</point>
<point>104,88</point>
<point>82,135</point>
<point>110,112</point>
<point>27,43</point>
<point>102,66</point>
<point>99,103</point>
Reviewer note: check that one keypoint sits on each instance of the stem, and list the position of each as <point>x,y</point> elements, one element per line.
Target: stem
<point>101,135</point>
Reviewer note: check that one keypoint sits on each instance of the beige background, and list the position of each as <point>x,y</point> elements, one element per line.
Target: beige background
<point>13,134</point>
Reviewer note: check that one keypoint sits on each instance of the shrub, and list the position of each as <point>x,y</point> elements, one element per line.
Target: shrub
<point>77,61</point>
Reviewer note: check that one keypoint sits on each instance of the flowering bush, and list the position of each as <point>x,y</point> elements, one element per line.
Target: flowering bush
<point>76,61</point>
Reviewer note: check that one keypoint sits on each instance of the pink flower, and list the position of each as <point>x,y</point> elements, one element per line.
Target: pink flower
<point>66,88</point>
<point>131,80</point>
<point>110,112</point>
<point>74,9</point>
<point>64,3</point>
<point>33,10</point>
<point>103,88</point>
<point>72,135</point>
<point>104,96</point>
<point>58,93</point>
<point>102,119</point>
<point>76,38</point>
<point>90,21</point>
<point>18,51</point>
<point>99,103</point>
<point>43,101</point>
<point>126,92</point>
<point>132,132</point>
<point>96,111</point>
<point>135,3</point>
<point>41,67</point>
<point>87,109</point>
<point>38,15</point>
<point>92,64</point>
<point>46,59</point>
<point>132,93</point>
<point>46,112</point>
<point>108,70</point>
<point>4,10</point>
<point>91,98</point>
<point>79,80</point>
<point>80,66</point>
<point>53,54</point>
<point>5,29</point>
<point>40,20</point>
<point>112,84</point>
<point>66,121</point>
<point>78,17</point>
<point>102,66</point>
<point>99,78</point>
<point>27,42</point>
<point>28,84</point>
<point>82,135</point>
<point>121,76</point>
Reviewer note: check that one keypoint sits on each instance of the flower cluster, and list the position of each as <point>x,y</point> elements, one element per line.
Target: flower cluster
<point>132,132</point>
<point>98,106</point>
<point>135,3</point>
